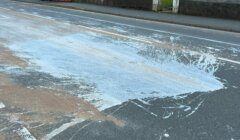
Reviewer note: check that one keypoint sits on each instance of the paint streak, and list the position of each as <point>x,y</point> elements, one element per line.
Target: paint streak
<point>25,134</point>
<point>62,128</point>
<point>195,109</point>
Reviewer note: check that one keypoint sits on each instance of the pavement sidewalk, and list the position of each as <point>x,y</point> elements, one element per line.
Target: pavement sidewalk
<point>205,22</point>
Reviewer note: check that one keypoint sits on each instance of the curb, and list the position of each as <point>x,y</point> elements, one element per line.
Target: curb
<point>136,17</point>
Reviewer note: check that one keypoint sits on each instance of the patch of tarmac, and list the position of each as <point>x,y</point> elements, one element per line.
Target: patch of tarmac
<point>199,116</point>
<point>216,118</point>
<point>35,79</point>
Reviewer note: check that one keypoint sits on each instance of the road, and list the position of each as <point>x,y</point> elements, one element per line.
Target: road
<point>70,74</point>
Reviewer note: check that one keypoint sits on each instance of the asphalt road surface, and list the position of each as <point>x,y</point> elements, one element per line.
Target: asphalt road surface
<point>68,74</point>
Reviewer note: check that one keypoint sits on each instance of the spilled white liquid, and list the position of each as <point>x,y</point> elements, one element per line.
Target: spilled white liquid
<point>2,105</point>
<point>117,69</point>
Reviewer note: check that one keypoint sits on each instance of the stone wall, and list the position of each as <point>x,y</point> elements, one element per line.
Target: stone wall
<point>136,4</point>
<point>89,1</point>
<point>211,8</point>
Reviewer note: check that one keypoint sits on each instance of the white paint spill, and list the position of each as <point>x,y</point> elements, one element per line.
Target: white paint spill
<point>3,17</point>
<point>172,39</point>
<point>228,60</point>
<point>195,109</point>
<point>168,115</point>
<point>166,135</point>
<point>187,108</point>
<point>114,65</point>
<point>116,28</point>
<point>2,105</point>
<point>62,128</point>
<point>146,110</point>
<point>25,134</point>
<point>116,68</point>
<point>183,107</point>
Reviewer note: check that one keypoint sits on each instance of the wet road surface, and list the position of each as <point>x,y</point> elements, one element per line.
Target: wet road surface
<point>68,74</point>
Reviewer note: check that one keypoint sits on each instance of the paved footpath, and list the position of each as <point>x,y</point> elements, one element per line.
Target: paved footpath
<point>205,22</point>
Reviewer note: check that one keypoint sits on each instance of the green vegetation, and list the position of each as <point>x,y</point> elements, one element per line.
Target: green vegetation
<point>166,4</point>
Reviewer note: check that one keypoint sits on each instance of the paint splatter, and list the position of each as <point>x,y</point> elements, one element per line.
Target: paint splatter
<point>2,105</point>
